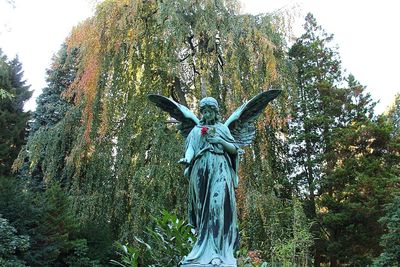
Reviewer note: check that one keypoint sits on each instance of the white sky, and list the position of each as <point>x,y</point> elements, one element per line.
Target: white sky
<point>366,32</point>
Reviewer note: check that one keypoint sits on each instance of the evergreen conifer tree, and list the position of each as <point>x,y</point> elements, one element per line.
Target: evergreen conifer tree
<point>315,107</point>
<point>390,240</point>
<point>342,155</point>
<point>358,181</point>
<point>13,119</point>
<point>393,115</point>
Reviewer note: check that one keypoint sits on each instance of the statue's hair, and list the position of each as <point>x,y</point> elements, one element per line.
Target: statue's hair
<point>209,101</point>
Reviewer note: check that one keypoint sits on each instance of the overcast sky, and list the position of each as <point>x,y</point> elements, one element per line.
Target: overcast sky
<point>367,33</point>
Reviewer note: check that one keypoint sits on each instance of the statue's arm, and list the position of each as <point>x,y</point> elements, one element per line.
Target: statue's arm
<point>228,147</point>
<point>189,155</point>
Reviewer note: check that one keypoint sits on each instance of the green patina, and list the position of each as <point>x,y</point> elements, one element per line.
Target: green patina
<point>212,159</point>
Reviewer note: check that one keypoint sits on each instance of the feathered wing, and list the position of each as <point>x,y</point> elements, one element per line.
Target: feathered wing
<point>177,111</point>
<point>241,122</point>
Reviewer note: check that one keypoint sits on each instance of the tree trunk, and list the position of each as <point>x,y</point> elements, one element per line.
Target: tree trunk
<point>203,87</point>
<point>333,261</point>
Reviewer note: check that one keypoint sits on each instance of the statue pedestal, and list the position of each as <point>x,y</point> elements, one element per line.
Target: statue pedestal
<point>207,265</point>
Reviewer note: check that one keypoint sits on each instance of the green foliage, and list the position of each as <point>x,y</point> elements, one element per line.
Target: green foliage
<point>172,238</point>
<point>249,258</point>
<point>14,197</point>
<point>51,106</point>
<point>4,94</point>
<point>362,178</point>
<point>55,227</point>
<point>285,234</point>
<point>13,93</point>
<point>45,218</point>
<point>390,240</point>
<point>129,256</point>
<point>342,156</point>
<point>16,206</point>
<point>14,239</point>
<point>11,244</point>
<point>393,115</point>
<point>167,242</point>
<point>295,249</point>
<point>79,256</point>
<point>316,103</point>
<point>99,239</point>
<point>50,136</point>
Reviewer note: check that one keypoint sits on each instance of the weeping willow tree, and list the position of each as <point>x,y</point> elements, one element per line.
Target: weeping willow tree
<point>117,155</point>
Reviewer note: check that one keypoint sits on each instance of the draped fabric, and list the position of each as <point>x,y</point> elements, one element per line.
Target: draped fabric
<point>212,206</point>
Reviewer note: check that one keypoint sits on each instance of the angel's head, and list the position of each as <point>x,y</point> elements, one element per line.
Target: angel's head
<point>209,110</point>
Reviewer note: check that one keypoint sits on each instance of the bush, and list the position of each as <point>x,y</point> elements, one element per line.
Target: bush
<point>11,244</point>
<point>167,242</point>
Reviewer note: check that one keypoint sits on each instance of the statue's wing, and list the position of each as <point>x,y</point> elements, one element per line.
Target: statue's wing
<point>241,122</point>
<point>177,111</point>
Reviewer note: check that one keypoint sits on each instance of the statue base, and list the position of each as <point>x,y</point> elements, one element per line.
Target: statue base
<point>207,265</point>
<point>216,262</point>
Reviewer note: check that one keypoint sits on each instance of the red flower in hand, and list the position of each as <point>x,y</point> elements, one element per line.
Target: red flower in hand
<point>204,130</point>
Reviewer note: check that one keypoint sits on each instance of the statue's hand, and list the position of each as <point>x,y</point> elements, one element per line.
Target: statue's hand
<point>184,161</point>
<point>186,173</point>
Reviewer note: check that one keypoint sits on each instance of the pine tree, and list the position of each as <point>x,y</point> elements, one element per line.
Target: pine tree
<point>393,115</point>
<point>390,241</point>
<point>343,158</point>
<point>359,180</point>
<point>52,237</point>
<point>43,156</point>
<point>51,106</point>
<point>315,106</point>
<point>13,119</point>
<point>13,122</point>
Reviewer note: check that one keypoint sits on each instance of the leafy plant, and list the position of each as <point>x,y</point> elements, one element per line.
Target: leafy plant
<point>168,241</point>
<point>129,256</point>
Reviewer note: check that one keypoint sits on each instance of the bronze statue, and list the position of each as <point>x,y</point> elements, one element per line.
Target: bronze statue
<point>211,159</point>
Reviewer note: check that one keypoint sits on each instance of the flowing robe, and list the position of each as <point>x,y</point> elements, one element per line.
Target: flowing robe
<point>212,205</point>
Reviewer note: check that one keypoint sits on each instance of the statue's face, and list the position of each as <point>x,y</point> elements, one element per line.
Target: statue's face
<point>208,114</point>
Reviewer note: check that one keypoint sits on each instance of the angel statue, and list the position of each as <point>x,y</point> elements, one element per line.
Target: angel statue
<point>211,160</point>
